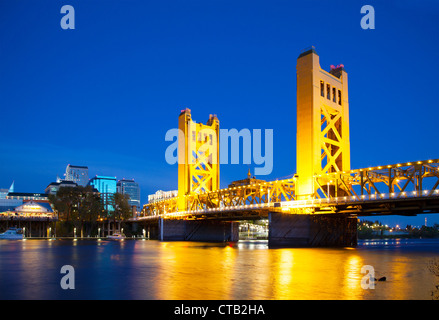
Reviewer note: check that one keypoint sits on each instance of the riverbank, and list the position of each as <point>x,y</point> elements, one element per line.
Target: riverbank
<point>374,231</point>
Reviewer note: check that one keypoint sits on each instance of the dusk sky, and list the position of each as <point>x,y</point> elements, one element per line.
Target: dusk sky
<point>104,94</point>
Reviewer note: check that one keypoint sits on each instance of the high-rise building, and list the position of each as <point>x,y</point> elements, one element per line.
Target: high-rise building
<point>131,188</point>
<point>106,186</point>
<point>77,174</point>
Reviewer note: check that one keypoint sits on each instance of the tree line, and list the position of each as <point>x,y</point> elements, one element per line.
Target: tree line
<point>82,207</point>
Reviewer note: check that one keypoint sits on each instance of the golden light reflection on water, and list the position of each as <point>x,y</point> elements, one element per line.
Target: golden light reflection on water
<point>283,260</point>
<point>184,273</point>
<point>305,274</point>
<point>352,277</point>
<point>203,271</point>
<point>206,271</point>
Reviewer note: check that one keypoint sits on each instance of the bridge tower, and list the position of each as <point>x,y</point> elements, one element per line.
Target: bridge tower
<point>322,122</point>
<point>198,157</point>
<point>322,147</point>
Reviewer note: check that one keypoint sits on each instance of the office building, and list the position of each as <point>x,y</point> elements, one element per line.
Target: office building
<point>77,174</point>
<point>106,186</point>
<point>130,188</point>
<point>54,187</point>
<point>162,195</point>
<point>4,192</point>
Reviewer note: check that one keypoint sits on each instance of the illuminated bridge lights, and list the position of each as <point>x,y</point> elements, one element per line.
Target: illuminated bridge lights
<point>285,206</point>
<point>402,181</point>
<point>398,165</point>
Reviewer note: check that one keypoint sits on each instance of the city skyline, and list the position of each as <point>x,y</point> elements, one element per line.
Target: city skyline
<point>210,59</point>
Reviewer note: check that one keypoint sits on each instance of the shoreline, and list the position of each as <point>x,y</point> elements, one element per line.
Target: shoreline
<point>260,240</point>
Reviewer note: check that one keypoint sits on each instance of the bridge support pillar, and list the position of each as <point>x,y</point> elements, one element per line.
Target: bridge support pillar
<point>195,230</point>
<point>320,230</point>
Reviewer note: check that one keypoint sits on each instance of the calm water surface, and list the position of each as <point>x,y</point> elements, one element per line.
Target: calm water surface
<point>136,269</point>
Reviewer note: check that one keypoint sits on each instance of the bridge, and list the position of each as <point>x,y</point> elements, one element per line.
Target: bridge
<point>317,206</point>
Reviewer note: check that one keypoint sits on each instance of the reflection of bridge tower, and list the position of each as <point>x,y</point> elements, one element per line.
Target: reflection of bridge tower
<point>198,157</point>
<point>322,122</point>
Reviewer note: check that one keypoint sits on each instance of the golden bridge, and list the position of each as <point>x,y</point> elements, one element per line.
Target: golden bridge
<point>319,205</point>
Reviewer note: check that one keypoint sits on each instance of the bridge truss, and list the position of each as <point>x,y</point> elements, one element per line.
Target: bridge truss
<point>403,188</point>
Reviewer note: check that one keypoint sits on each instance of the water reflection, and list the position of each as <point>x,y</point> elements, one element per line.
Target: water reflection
<point>352,277</point>
<point>282,262</point>
<point>186,270</point>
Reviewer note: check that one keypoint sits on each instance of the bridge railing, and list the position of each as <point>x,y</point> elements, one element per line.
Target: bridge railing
<point>257,194</point>
<point>299,204</point>
<point>390,179</point>
<point>246,207</point>
<point>362,198</point>
<point>398,181</point>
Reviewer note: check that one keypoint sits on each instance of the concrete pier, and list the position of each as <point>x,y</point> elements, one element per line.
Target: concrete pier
<point>299,230</point>
<point>197,230</point>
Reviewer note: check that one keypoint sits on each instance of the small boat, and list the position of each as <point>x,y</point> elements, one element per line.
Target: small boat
<point>12,233</point>
<point>116,236</point>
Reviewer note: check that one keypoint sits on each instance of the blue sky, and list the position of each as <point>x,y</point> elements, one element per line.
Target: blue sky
<point>104,95</point>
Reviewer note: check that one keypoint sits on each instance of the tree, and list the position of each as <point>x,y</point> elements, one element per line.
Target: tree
<point>122,209</point>
<point>65,202</point>
<point>77,207</point>
<point>89,208</point>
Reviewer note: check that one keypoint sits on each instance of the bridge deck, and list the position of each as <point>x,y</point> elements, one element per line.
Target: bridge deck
<point>383,204</point>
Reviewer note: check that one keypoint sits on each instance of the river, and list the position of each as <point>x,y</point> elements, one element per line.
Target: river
<point>142,269</point>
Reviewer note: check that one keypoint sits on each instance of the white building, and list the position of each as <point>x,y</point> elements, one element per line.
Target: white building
<point>162,195</point>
